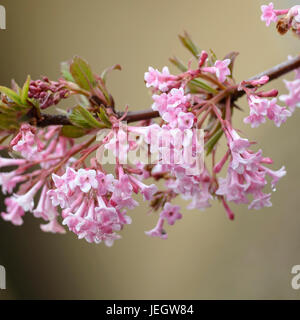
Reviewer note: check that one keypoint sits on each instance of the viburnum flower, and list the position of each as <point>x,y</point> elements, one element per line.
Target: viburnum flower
<point>171,213</point>
<point>220,69</point>
<point>89,185</point>
<point>158,230</point>
<point>14,212</point>
<point>159,80</point>
<point>292,99</point>
<point>268,13</point>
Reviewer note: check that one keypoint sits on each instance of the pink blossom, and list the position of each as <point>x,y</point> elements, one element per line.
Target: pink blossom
<point>14,212</point>
<point>25,141</point>
<point>158,230</point>
<point>26,200</point>
<point>86,179</point>
<point>53,227</point>
<point>258,111</point>
<point>171,213</point>
<point>292,100</point>
<point>268,13</point>
<point>220,69</point>
<point>260,201</point>
<point>297,15</point>
<point>122,194</point>
<point>276,113</point>
<point>159,80</point>
<point>185,120</point>
<point>246,174</point>
<point>8,181</point>
<point>146,191</point>
<point>6,162</point>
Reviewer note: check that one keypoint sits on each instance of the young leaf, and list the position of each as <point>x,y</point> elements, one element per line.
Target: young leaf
<point>209,145</point>
<point>189,44</point>
<point>108,70</point>
<point>203,85</point>
<point>72,132</point>
<point>24,95</point>
<point>65,71</point>
<point>102,115</point>
<point>82,74</point>
<point>179,64</point>
<point>81,117</point>
<point>11,95</point>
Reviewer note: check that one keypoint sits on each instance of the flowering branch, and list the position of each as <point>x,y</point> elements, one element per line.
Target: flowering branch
<point>64,180</point>
<point>273,73</point>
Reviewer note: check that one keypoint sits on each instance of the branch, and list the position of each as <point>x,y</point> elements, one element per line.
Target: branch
<point>273,73</point>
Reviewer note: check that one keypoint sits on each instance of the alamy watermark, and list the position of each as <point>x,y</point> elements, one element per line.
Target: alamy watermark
<point>296,279</point>
<point>2,278</point>
<point>153,145</point>
<point>2,18</point>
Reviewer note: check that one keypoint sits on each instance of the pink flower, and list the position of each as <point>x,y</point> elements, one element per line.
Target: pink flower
<point>177,98</point>
<point>185,120</point>
<point>105,183</point>
<point>220,69</point>
<point>158,230</point>
<point>260,201</point>
<point>25,141</point>
<point>6,162</point>
<point>146,191</point>
<point>159,80</point>
<point>171,213</point>
<point>268,14</point>
<point>246,174</point>
<point>8,181</point>
<point>86,180</point>
<point>297,16</point>
<point>53,227</point>
<point>275,175</point>
<point>48,212</point>
<point>292,100</point>
<point>14,212</point>
<point>122,194</point>
<point>258,111</point>
<point>276,113</point>
<point>26,200</point>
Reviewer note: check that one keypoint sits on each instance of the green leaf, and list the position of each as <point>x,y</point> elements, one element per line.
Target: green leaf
<point>204,86</point>
<point>25,89</point>
<point>103,116</point>
<point>179,64</point>
<point>72,132</point>
<point>108,70</point>
<point>189,44</point>
<point>82,74</point>
<point>11,95</point>
<point>82,118</point>
<point>213,57</point>
<point>209,145</point>
<point>65,71</point>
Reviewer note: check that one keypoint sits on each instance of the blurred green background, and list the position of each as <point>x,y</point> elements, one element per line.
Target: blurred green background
<point>206,256</point>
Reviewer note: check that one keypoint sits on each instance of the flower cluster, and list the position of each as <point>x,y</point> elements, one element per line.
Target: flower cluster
<point>47,92</point>
<point>290,18</point>
<point>38,147</point>
<point>246,174</point>
<point>65,181</point>
<point>292,99</point>
<point>261,107</point>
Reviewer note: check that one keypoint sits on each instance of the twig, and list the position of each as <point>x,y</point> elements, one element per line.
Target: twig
<point>273,73</point>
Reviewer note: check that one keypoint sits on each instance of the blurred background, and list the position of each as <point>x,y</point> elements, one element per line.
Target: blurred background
<point>206,256</point>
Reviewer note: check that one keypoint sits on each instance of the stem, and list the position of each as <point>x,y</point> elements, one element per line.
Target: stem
<point>273,73</point>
